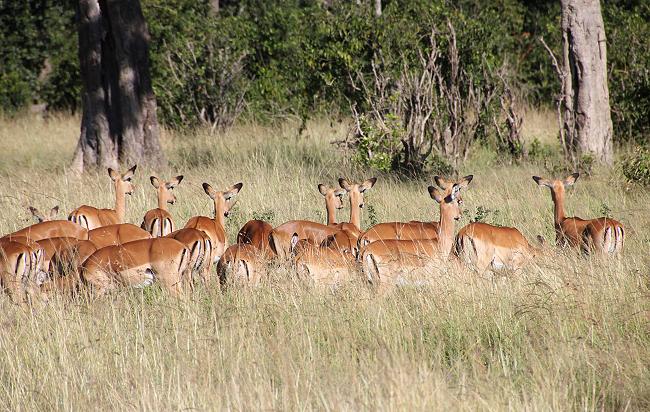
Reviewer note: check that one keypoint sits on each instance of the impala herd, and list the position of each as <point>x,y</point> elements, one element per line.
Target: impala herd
<point>95,249</point>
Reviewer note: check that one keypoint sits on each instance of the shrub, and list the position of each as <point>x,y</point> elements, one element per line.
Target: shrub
<point>636,167</point>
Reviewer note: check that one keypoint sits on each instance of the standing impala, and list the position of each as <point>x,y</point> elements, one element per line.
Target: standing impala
<point>386,261</point>
<point>90,217</point>
<point>215,228</point>
<point>412,230</point>
<point>159,221</point>
<point>602,235</point>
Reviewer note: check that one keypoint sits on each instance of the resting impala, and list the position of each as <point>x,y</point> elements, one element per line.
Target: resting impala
<point>602,235</point>
<point>407,230</point>
<point>138,264</point>
<point>317,232</point>
<point>246,261</point>
<point>90,217</point>
<point>485,246</point>
<point>50,229</point>
<point>21,274</point>
<point>215,228</point>
<point>200,246</point>
<point>159,222</point>
<point>384,261</point>
<point>333,260</point>
<point>116,234</point>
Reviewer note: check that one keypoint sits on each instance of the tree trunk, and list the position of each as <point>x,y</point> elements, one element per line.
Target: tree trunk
<point>587,117</point>
<point>214,7</point>
<point>119,123</point>
<point>377,8</point>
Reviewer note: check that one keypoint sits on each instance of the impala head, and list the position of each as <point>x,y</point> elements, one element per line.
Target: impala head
<point>222,203</point>
<point>448,195</point>
<point>165,189</point>
<point>557,186</point>
<point>43,217</point>
<point>357,190</point>
<point>333,196</point>
<point>123,182</point>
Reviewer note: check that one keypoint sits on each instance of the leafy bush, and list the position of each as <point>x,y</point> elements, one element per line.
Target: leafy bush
<point>636,167</point>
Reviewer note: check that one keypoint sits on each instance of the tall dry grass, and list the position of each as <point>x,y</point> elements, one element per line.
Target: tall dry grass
<point>567,332</point>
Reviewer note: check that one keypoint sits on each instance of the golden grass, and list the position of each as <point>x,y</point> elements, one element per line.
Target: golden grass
<point>566,333</point>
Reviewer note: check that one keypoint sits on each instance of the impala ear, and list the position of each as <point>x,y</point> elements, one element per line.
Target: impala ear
<point>322,189</point>
<point>54,211</point>
<point>155,182</point>
<point>35,213</point>
<point>234,189</point>
<point>542,182</point>
<point>569,181</point>
<point>114,175</point>
<point>340,193</point>
<point>174,182</point>
<point>442,182</point>
<point>345,184</point>
<point>209,190</point>
<point>129,173</point>
<point>436,194</point>
<point>368,184</point>
<point>455,190</point>
<point>464,182</point>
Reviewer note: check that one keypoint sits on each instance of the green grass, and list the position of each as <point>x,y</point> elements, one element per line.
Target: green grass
<point>566,333</point>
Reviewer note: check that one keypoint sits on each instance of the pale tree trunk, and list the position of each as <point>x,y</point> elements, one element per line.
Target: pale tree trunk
<point>214,7</point>
<point>587,118</point>
<point>377,8</point>
<point>119,123</point>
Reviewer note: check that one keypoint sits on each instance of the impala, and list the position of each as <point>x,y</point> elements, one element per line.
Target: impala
<point>484,246</point>
<point>412,230</point>
<point>215,228</point>
<point>384,261</point>
<point>116,234</point>
<point>138,264</point>
<point>317,232</point>
<point>603,235</point>
<point>21,274</point>
<point>90,217</point>
<point>159,221</point>
<point>334,259</point>
<point>50,229</point>
<point>246,260</point>
<point>200,246</point>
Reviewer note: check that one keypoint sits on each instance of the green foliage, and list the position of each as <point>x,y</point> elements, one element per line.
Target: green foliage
<point>295,57</point>
<point>378,147</point>
<point>636,167</point>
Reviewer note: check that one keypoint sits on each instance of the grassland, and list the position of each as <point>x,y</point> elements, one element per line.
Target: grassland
<point>566,333</point>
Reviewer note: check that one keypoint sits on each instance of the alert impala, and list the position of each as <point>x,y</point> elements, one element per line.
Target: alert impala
<point>215,228</point>
<point>90,217</point>
<point>389,262</point>
<point>602,235</point>
<point>159,221</point>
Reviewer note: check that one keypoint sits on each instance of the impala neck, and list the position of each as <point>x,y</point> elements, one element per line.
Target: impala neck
<point>120,205</point>
<point>355,215</point>
<point>445,231</point>
<point>558,206</point>
<point>219,218</point>
<point>331,213</point>
<point>162,204</point>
